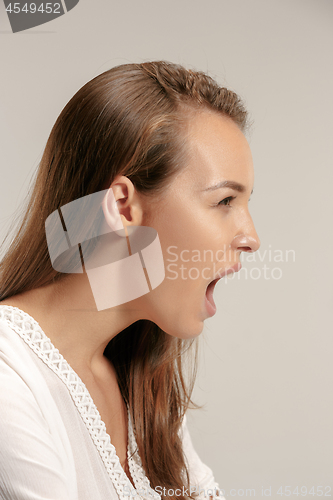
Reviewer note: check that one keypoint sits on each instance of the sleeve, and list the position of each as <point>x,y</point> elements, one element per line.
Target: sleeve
<point>31,468</point>
<point>202,482</point>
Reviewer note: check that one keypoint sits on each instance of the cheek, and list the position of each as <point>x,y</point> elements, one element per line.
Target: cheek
<point>194,246</point>
<point>190,256</point>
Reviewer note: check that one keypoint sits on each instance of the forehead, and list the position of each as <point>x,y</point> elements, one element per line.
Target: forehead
<point>216,150</point>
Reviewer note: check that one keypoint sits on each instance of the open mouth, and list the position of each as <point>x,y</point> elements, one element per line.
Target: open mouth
<point>210,304</point>
<point>209,294</point>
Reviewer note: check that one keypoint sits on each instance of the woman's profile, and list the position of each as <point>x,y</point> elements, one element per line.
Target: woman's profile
<point>94,397</point>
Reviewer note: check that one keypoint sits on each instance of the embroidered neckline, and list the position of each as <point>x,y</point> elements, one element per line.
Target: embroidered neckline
<point>33,335</point>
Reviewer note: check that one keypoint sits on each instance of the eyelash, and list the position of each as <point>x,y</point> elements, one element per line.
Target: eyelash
<point>227,200</point>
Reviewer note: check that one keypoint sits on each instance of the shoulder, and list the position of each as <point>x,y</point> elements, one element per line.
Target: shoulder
<point>20,380</point>
<point>30,435</point>
<point>16,358</point>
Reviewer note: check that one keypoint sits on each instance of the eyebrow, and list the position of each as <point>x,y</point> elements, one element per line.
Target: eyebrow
<point>227,184</point>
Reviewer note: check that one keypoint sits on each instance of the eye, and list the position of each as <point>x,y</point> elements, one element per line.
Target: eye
<point>226,201</point>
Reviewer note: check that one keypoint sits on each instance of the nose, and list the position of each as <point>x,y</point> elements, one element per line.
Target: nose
<point>247,239</point>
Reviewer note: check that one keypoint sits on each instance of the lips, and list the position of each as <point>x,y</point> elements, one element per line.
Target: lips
<point>234,269</point>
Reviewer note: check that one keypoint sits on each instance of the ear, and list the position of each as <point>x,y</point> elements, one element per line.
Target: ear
<point>122,205</point>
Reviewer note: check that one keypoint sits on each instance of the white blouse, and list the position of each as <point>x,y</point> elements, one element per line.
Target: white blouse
<point>53,443</point>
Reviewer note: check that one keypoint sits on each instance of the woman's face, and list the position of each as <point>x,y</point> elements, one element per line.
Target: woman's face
<point>203,227</point>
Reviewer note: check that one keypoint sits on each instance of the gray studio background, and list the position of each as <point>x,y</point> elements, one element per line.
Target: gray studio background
<point>265,375</point>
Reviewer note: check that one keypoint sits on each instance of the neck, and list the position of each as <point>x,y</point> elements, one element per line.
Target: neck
<point>67,313</point>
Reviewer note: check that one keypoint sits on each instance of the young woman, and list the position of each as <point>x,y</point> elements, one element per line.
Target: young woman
<point>93,397</point>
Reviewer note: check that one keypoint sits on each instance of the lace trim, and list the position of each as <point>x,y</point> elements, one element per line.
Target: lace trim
<point>141,481</point>
<point>30,331</point>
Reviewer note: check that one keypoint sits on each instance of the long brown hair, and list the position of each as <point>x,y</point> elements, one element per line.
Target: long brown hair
<point>129,120</point>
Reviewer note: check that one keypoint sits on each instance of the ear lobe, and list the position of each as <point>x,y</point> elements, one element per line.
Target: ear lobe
<point>111,212</point>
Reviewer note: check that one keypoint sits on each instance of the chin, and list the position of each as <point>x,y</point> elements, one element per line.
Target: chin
<point>186,331</point>
<point>175,320</point>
